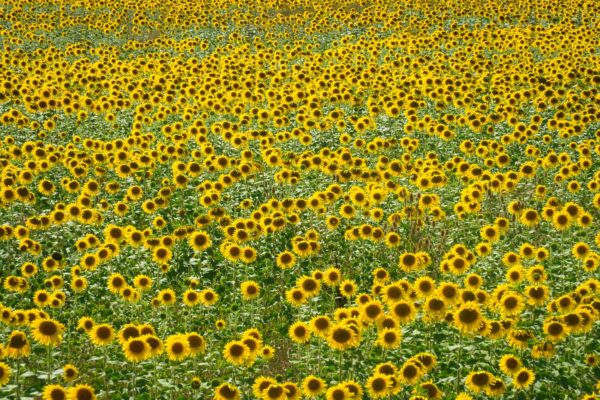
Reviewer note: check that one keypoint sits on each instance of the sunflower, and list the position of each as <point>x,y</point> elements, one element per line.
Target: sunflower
<point>116,282</point>
<point>468,317</point>
<point>4,374</point>
<point>191,297</point>
<point>511,304</point>
<point>555,330</point>
<point>348,288</point>
<point>208,297</point>
<point>478,381</point>
<point>85,324</point>
<point>523,378</point>
<point>338,392</point>
<point>82,392</point>
<point>295,297</point>
<point>47,331</point>
<point>136,350</point>
<point>392,293</point>
<point>332,276</point>
<point>196,343</point>
<point>18,345</point>
<point>128,331</point>
<point>320,325</point>
<point>292,391</point>
<point>155,345</point>
<point>389,338</point>
<point>341,337</point>
<point>424,286</point>
<point>102,334</point>
<point>142,282</point>
<point>261,384</point>
<point>378,386</point>
<point>236,352</point>
<point>431,390</point>
<point>275,391</point>
<point>313,386</point>
<point>225,391</point>
<point>309,285</point>
<point>509,364</point>
<point>199,241</point>
<point>299,332</point>
<point>70,372</point>
<point>177,347</point>
<point>167,296</point>
<point>410,372</point>
<point>55,392</point>
<point>250,290</point>
<point>543,350</point>
<point>592,359</point>
<point>403,311</point>
<point>161,255</point>
<point>285,260</point>
<point>41,298</point>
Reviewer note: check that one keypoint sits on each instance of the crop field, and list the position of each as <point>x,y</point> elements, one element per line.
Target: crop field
<point>304,199</point>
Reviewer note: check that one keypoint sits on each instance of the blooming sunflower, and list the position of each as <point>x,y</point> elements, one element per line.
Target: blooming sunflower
<point>102,334</point>
<point>250,290</point>
<point>226,391</point>
<point>468,317</point>
<point>136,350</point>
<point>478,381</point>
<point>299,332</point>
<point>523,378</point>
<point>47,331</point>
<point>55,392</point>
<point>18,345</point>
<point>82,392</point>
<point>177,347</point>
<point>378,386</point>
<point>313,386</point>
<point>236,352</point>
<point>389,338</point>
<point>4,374</point>
<point>70,372</point>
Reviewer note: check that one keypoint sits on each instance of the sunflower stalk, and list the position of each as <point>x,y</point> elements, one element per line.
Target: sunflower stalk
<point>49,362</point>
<point>17,376</point>
<point>459,361</point>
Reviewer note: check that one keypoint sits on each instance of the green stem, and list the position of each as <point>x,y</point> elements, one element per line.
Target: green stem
<point>460,346</point>
<point>17,379</point>
<point>49,363</point>
<point>105,372</point>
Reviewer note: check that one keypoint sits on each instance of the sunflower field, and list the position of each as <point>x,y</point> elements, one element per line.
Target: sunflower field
<point>299,199</point>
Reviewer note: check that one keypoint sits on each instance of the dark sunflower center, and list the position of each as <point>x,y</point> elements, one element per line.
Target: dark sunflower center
<point>468,316</point>
<point>341,335</point>
<point>48,328</point>
<point>136,346</point>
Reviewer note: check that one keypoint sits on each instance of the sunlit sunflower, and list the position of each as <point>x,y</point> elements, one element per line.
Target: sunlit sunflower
<point>299,332</point>
<point>236,352</point>
<point>250,290</point>
<point>389,338</point>
<point>70,372</point>
<point>378,386</point>
<point>225,391</point>
<point>5,373</point>
<point>523,378</point>
<point>55,392</point>
<point>177,347</point>
<point>102,334</point>
<point>136,350</point>
<point>18,345</point>
<point>313,386</point>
